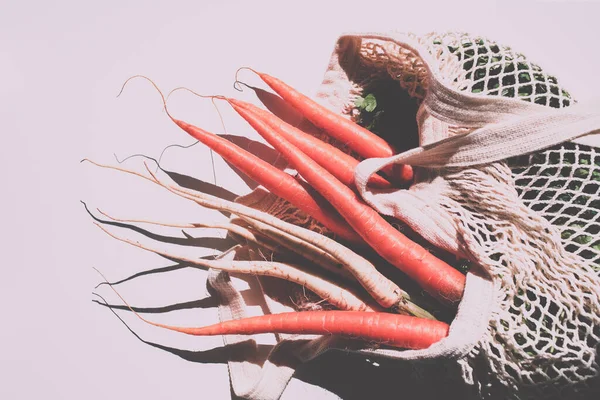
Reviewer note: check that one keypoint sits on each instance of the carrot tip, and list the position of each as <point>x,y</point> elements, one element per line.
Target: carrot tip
<point>260,74</point>
<point>237,85</point>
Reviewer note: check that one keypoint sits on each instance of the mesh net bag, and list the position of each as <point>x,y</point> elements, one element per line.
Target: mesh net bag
<point>507,176</point>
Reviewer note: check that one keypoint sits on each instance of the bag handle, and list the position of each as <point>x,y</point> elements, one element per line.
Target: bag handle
<point>505,127</point>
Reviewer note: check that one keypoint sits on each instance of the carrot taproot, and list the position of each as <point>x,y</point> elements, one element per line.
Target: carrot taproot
<point>276,181</point>
<point>341,293</point>
<point>432,274</point>
<point>356,137</point>
<point>261,234</point>
<point>338,163</point>
<point>401,172</point>
<point>359,139</point>
<point>338,296</point>
<point>382,289</point>
<point>395,330</point>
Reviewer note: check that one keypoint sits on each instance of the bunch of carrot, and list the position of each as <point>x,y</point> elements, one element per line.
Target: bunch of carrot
<point>326,192</point>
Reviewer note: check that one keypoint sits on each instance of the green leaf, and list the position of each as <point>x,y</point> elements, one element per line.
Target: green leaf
<point>370,103</point>
<point>359,102</point>
<point>367,103</point>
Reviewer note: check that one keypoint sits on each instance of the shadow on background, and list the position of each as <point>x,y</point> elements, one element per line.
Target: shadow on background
<point>207,302</point>
<point>243,351</point>
<point>220,244</point>
<point>354,377</point>
<point>189,182</point>
<point>258,149</point>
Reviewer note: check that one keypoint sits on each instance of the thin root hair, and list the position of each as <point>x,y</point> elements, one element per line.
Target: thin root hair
<point>238,72</point>
<point>162,96</point>
<point>237,85</point>
<point>158,166</point>
<point>162,153</point>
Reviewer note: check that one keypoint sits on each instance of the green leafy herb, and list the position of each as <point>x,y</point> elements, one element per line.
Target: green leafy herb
<point>368,117</point>
<point>367,103</point>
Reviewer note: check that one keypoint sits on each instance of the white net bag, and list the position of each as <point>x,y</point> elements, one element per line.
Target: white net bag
<point>500,182</point>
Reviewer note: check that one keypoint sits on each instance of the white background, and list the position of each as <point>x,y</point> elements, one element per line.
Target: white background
<point>61,66</point>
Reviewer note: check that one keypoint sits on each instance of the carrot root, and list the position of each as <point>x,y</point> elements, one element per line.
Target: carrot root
<point>263,235</point>
<point>384,291</point>
<point>338,163</point>
<point>359,139</point>
<point>275,180</point>
<point>337,296</point>
<point>389,329</point>
<point>383,328</point>
<point>433,275</point>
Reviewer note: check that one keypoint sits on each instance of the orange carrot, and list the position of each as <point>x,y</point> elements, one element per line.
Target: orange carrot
<point>359,139</point>
<point>433,275</point>
<point>276,181</point>
<point>401,172</point>
<point>390,329</point>
<point>338,163</point>
<point>356,137</point>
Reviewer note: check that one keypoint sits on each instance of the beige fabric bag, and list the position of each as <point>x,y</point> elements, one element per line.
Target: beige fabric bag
<point>529,321</point>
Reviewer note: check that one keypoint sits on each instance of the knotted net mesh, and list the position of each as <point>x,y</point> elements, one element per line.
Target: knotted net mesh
<point>561,183</point>
<point>530,222</point>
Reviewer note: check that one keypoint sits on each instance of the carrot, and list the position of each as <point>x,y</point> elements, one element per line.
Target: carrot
<point>384,291</point>
<point>432,274</point>
<point>337,296</point>
<point>356,137</point>
<point>402,173</point>
<point>246,234</point>
<point>267,237</point>
<point>391,329</point>
<point>276,181</point>
<point>359,139</point>
<point>338,163</point>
